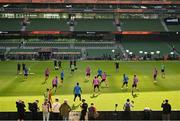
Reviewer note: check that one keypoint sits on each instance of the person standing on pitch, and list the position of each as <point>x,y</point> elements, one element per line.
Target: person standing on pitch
<point>96,84</point>
<point>55,83</point>
<point>75,65</point>
<point>55,65</point>
<point>155,74</point>
<point>34,109</point>
<point>48,96</point>
<point>46,110</point>
<point>20,110</point>
<point>59,64</point>
<point>88,72</point>
<point>77,92</point>
<point>135,83</point>
<point>166,110</point>
<point>72,69</point>
<point>127,109</point>
<point>117,66</point>
<point>62,76</point>
<point>26,73</point>
<point>163,71</point>
<point>23,66</point>
<point>99,73</point>
<point>55,109</point>
<point>70,63</point>
<point>84,108</point>
<point>18,68</point>
<point>104,79</point>
<point>92,112</point>
<point>125,81</point>
<point>46,74</point>
<point>65,110</point>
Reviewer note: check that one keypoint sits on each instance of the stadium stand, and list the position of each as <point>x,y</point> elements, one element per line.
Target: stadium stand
<point>34,24</point>
<point>48,24</point>
<point>135,46</point>
<point>22,50</point>
<point>175,28</point>
<point>85,25</point>
<point>9,44</point>
<point>94,25</point>
<point>141,25</point>
<point>10,24</point>
<point>105,54</point>
<point>71,30</point>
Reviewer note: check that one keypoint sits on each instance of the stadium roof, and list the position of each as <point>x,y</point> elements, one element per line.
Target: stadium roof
<point>96,1</point>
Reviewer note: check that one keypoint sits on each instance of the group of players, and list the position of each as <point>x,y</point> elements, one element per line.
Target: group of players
<point>24,69</point>
<point>156,72</point>
<point>97,83</point>
<point>98,79</point>
<point>135,79</point>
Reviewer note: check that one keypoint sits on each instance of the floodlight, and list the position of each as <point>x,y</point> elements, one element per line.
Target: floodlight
<point>5,5</point>
<point>152,53</point>
<point>171,53</point>
<point>157,52</point>
<point>140,52</point>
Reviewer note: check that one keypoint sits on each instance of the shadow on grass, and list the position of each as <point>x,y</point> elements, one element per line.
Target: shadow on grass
<point>135,95</point>
<point>21,80</point>
<point>124,90</point>
<point>86,81</point>
<point>74,107</point>
<point>94,95</point>
<point>104,87</point>
<point>155,83</point>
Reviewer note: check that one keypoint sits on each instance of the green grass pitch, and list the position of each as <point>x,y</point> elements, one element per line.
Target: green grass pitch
<point>14,87</point>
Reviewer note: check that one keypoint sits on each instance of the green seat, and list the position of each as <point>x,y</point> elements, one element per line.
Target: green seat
<point>48,25</point>
<point>10,24</point>
<point>135,46</point>
<point>95,25</point>
<point>141,25</point>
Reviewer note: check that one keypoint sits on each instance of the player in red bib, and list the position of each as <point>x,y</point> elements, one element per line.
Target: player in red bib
<point>135,84</point>
<point>55,83</point>
<point>104,79</point>
<point>96,83</point>
<point>88,71</point>
<point>155,74</point>
<point>46,74</point>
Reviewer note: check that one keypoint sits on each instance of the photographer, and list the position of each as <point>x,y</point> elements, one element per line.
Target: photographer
<point>20,110</point>
<point>92,112</point>
<point>166,110</point>
<point>33,107</point>
<point>127,109</point>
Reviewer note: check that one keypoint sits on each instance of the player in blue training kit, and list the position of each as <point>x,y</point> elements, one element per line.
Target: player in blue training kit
<point>99,73</point>
<point>26,73</point>
<point>62,76</point>
<point>77,92</point>
<point>125,81</point>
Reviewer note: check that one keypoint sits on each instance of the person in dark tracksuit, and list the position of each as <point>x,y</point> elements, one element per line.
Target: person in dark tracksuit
<point>84,108</point>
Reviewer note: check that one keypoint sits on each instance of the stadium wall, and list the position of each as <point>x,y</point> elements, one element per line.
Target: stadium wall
<point>103,115</point>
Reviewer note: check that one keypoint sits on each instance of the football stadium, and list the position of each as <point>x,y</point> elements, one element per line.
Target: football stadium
<point>89,60</point>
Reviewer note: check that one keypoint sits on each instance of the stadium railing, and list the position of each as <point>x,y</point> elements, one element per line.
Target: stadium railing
<point>103,115</point>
